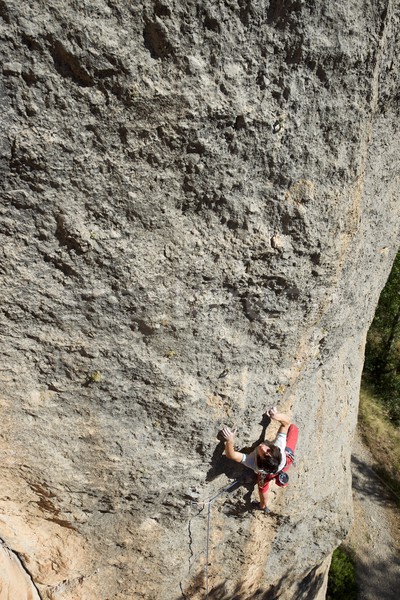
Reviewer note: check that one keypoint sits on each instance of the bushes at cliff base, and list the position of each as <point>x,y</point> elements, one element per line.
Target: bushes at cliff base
<point>382,352</point>
<point>342,584</point>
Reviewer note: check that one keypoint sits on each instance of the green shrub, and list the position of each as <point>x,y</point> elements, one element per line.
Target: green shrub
<point>342,584</point>
<point>390,393</point>
<point>382,352</point>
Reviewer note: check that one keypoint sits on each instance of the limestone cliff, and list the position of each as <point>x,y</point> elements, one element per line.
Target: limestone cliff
<point>199,209</point>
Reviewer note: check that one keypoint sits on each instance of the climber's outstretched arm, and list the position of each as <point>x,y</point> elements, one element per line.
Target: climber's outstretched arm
<point>281,417</point>
<point>230,451</point>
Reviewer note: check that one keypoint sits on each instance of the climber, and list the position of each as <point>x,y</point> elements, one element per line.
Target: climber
<point>268,460</point>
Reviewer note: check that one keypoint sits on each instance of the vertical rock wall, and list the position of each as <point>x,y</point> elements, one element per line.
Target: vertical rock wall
<point>199,209</point>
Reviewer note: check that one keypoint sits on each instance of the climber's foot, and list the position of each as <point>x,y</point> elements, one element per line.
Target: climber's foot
<point>256,506</point>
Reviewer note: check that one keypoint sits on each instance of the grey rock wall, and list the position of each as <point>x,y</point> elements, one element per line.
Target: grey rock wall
<point>199,209</point>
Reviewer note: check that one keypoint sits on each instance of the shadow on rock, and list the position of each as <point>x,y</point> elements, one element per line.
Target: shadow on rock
<point>236,507</point>
<point>307,589</point>
<point>220,465</point>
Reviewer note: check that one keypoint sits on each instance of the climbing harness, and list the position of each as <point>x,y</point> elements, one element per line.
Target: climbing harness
<point>281,478</point>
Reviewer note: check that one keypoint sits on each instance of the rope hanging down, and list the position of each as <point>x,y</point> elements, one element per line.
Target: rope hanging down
<point>209,503</point>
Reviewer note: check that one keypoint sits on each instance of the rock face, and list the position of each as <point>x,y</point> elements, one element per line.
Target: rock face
<point>199,209</point>
<point>14,580</point>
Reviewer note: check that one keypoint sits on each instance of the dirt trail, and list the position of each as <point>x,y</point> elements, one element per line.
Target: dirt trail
<point>375,535</point>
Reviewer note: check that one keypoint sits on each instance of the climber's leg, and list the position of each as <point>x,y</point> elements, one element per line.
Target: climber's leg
<point>292,437</point>
<point>291,442</point>
<point>263,493</point>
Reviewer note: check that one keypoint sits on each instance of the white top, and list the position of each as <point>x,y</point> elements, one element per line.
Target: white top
<point>250,460</point>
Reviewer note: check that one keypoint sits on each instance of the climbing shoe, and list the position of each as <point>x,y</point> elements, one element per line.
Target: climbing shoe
<point>256,506</point>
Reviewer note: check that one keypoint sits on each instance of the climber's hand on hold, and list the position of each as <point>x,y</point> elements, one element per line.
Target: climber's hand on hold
<point>230,452</point>
<point>283,419</point>
<point>227,434</point>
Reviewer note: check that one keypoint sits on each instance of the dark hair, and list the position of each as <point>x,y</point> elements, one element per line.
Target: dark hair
<point>271,462</point>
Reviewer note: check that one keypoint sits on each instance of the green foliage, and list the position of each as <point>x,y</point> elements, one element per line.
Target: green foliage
<point>342,584</point>
<point>390,392</point>
<point>382,353</point>
<point>382,438</point>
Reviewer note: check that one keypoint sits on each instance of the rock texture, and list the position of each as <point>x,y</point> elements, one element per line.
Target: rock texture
<point>14,581</point>
<point>199,209</point>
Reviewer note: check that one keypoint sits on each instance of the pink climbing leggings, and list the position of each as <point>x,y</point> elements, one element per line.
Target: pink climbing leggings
<point>291,442</point>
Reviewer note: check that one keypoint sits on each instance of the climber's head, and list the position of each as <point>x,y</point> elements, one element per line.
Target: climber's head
<point>268,457</point>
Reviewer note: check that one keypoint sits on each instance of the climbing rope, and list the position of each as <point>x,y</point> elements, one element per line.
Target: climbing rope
<point>209,504</point>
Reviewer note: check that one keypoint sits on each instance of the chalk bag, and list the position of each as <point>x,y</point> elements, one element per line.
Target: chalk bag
<point>283,479</point>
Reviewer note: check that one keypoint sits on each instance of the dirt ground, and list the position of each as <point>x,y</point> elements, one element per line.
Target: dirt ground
<point>375,535</point>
